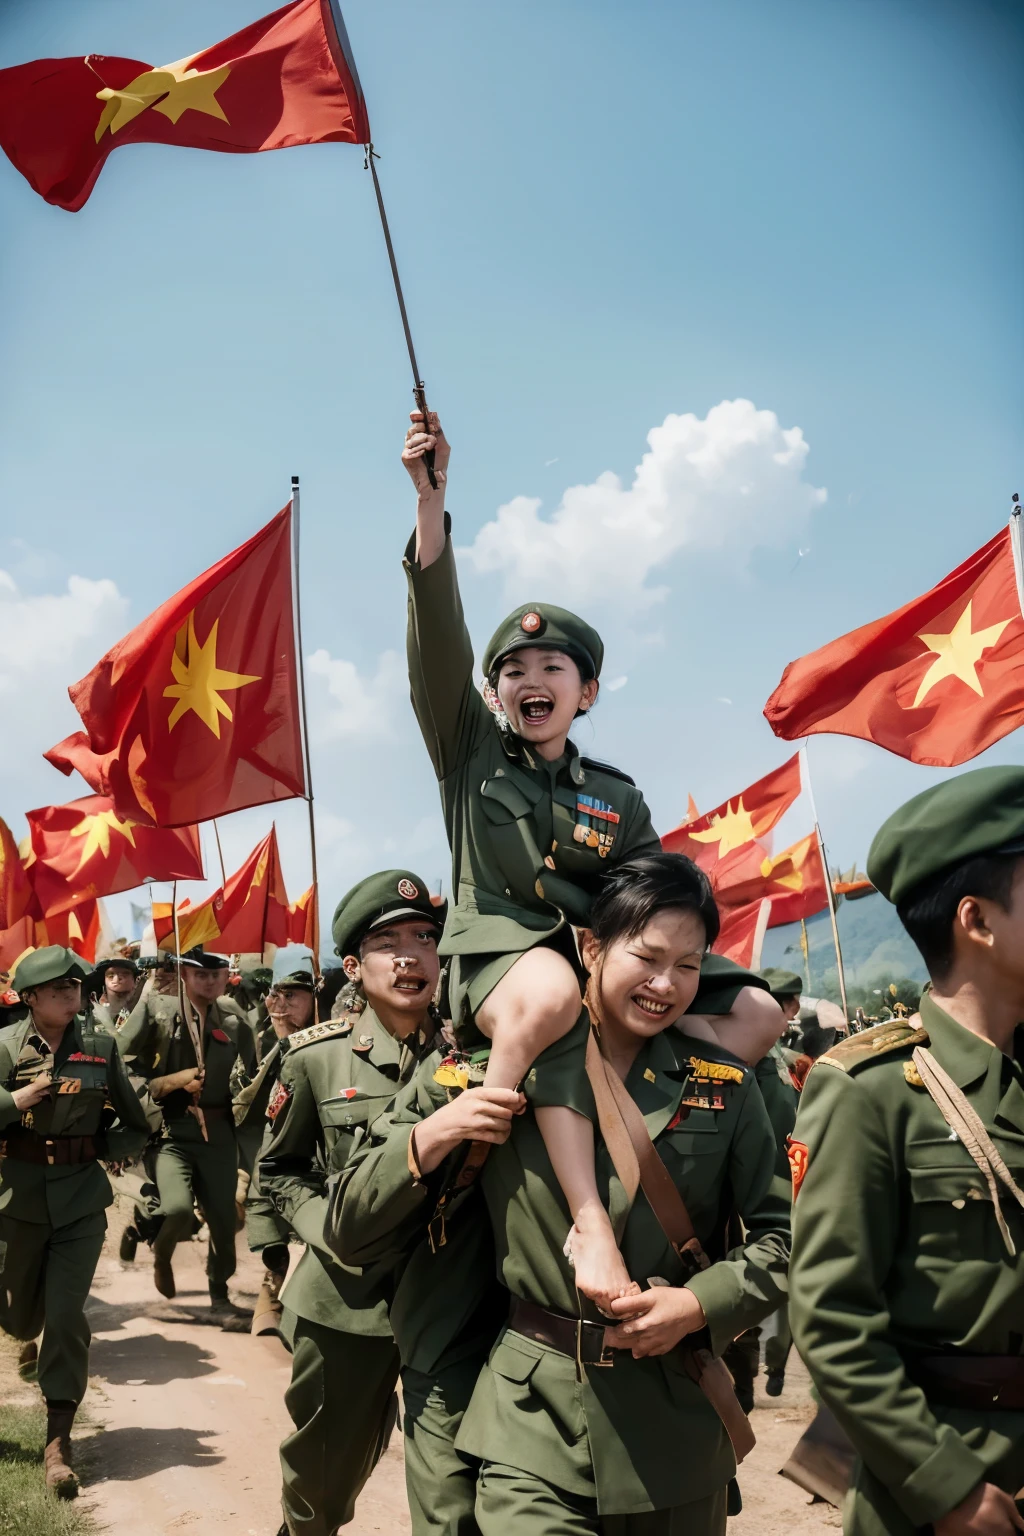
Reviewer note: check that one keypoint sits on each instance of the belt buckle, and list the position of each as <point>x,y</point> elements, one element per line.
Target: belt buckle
<point>605,1358</point>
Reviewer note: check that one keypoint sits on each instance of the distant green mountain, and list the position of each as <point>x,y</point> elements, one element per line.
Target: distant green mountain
<point>876,952</point>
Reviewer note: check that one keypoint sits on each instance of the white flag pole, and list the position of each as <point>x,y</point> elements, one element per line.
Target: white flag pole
<point>805,773</point>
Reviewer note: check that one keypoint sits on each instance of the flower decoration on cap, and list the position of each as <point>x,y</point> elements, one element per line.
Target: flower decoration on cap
<point>407,890</point>
<point>531,623</point>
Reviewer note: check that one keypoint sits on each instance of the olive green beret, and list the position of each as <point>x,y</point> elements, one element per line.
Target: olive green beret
<point>392,894</point>
<point>721,982</point>
<point>50,964</point>
<point>556,629</point>
<point>296,979</point>
<point>976,813</point>
<point>782,983</point>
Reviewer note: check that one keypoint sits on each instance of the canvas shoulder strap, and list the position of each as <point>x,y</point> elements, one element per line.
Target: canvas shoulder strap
<point>637,1162</point>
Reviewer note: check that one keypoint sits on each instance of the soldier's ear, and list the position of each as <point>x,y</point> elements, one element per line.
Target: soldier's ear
<point>350,965</point>
<point>589,949</point>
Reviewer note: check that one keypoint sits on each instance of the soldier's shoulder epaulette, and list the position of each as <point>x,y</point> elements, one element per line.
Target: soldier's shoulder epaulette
<point>330,1029</point>
<point>595,766</point>
<point>871,1045</point>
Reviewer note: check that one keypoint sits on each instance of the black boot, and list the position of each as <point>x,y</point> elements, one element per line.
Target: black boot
<point>129,1243</point>
<point>60,1478</point>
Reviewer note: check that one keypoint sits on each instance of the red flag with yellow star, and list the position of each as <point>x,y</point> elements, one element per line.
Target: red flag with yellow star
<point>937,681</point>
<point>196,712</point>
<point>724,842</point>
<point>85,849</point>
<point>742,933</point>
<point>17,898</point>
<point>793,880</point>
<point>77,929</point>
<point>288,79</point>
<point>302,920</point>
<point>249,912</point>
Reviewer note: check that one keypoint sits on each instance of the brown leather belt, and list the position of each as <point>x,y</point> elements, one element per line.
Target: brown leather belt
<point>582,1341</point>
<point>978,1382</point>
<point>52,1151</point>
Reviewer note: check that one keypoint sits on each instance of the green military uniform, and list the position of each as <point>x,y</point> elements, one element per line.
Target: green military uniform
<point>447,1307</point>
<point>155,1043</point>
<point>530,839</point>
<point>104,1015</point>
<point>53,1190</point>
<point>906,1300</point>
<point>336,1078</point>
<point>544,1429</point>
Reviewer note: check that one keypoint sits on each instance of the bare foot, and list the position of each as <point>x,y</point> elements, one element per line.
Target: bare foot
<point>600,1271</point>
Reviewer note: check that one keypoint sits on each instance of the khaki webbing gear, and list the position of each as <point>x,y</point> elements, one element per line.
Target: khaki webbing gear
<point>963,1120</point>
<point>627,1139</point>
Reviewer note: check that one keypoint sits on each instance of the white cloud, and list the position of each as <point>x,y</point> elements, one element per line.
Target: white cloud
<point>354,708</point>
<point>732,480</point>
<point>49,632</point>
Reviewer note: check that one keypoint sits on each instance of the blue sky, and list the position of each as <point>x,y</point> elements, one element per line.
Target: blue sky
<point>606,215</point>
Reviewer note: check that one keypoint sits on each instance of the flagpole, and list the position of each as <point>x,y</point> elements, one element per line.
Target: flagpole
<point>297,600</point>
<point>806,769</point>
<point>1017,546</point>
<point>220,854</point>
<point>195,1035</point>
<point>418,387</point>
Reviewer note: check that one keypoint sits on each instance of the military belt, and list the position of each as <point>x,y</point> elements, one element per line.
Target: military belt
<point>50,1151</point>
<point>978,1382</point>
<point>582,1341</point>
<point>210,1112</point>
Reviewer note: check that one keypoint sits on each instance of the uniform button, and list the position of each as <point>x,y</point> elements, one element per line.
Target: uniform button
<point>507,891</point>
<point>958,1205</point>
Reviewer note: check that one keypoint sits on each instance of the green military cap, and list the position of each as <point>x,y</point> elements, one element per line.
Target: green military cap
<point>782,983</point>
<point>556,629</point>
<point>198,958</point>
<point>301,978</point>
<point>394,893</point>
<point>105,965</point>
<point>53,963</point>
<point>976,813</point>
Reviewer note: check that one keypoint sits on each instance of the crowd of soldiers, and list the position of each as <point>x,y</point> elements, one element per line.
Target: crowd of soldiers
<point>551,1163</point>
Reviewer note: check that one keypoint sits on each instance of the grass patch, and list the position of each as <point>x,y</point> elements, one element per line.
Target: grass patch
<point>26,1507</point>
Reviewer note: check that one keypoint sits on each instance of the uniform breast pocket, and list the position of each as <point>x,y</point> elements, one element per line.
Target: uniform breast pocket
<point>505,800</point>
<point>951,1213</point>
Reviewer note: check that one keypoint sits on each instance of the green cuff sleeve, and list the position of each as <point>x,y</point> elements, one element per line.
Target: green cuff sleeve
<point>10,1114</point>
<point>372,1205</point>
<point>943,1481</point>
<point>307,1222</point>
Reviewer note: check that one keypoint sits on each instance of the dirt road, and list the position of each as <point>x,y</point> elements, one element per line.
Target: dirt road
<point>186,1420</point>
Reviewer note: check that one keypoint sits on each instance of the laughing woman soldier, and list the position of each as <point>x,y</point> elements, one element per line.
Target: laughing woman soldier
<point>581,1429</point>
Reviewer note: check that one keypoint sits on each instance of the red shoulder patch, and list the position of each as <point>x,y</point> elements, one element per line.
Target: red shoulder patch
<point>799,1156</point>
<point>220,1037</point>
<point>278,1099</point>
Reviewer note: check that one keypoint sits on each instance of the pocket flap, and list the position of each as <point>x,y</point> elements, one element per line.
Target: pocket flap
<point>947,1184</point>
<point>511,1358</point>
<point>342,1113</point>
<point>507,800</point>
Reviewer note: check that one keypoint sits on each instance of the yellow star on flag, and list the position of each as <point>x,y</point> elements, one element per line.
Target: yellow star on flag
<point>198,680</point>
<point>795,858</point>
<point>730,831</point>
<point>171,89</point>
<point>957,654</point>
<point>96,830</point>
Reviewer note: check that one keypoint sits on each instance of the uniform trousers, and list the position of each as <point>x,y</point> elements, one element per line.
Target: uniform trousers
<point>440,1481</point>
<point>509,1500</point>
<point>45,1275</point>
<point>207,1172</point>
<point>778,1340</point>
<point>342,1401</point>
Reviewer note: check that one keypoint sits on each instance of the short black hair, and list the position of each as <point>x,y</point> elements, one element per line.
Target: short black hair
<point>929,910</point>
<point>632,893</point>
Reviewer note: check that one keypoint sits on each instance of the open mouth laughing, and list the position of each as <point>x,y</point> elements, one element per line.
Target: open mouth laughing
<point>650,1006</point>
<point>536,708</point>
